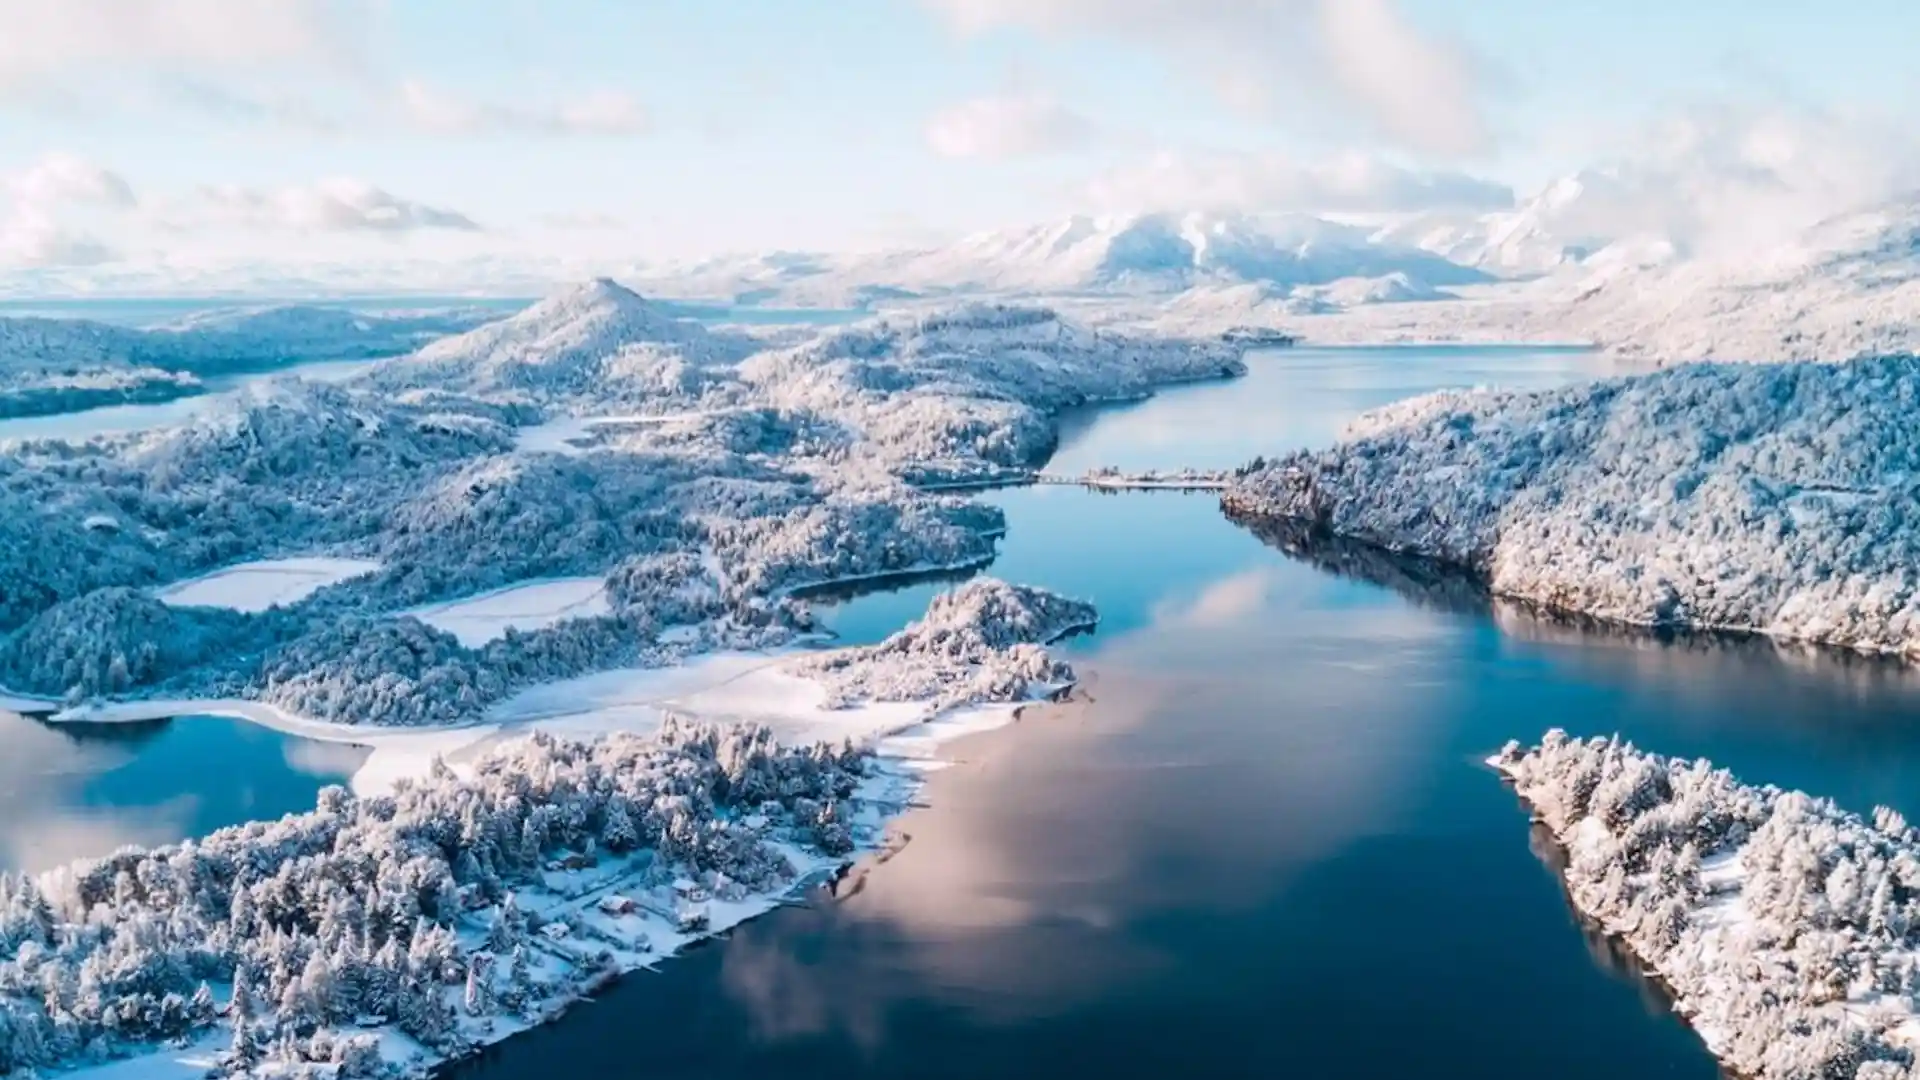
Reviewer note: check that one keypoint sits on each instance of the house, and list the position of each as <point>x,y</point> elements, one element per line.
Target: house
<point>556,931</point>
<point>618,905</point>
<point>573,860</point>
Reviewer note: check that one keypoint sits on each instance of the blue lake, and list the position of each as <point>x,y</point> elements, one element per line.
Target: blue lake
<point>1263,843</point>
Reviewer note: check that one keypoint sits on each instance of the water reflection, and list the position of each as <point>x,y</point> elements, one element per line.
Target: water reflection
<point>84,790</point>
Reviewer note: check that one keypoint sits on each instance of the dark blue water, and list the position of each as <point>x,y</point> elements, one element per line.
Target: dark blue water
<point>1263,844</point>
<point>81,791</point>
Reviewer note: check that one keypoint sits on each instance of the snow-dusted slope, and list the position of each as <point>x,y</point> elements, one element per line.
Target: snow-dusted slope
<point>1783,499</point>
<point>944,394</point>
<point>1848,287</point>
<point>1787,929</point>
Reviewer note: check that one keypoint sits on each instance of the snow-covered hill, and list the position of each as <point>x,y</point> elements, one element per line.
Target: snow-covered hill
<point>1849,286</point>
<point>1779,499</point>
<point>589,335</point>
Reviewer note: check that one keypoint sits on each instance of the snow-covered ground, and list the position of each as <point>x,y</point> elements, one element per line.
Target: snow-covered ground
<point>1787,929</point>
<point>476,620</point>
<point>263,584</point>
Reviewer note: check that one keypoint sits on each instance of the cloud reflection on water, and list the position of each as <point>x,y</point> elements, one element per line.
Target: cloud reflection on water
<point>42,776</point>
<point>1187,778</point>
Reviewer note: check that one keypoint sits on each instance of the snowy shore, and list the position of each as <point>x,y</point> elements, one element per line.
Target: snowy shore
<point>1787,929</point>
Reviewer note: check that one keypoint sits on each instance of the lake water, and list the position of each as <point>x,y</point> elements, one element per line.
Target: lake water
<point>82,791</point>
<point>1264,844</point>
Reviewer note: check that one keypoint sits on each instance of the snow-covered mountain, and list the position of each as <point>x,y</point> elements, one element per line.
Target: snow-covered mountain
<point>1153,253</point>
<point>1567,223</point>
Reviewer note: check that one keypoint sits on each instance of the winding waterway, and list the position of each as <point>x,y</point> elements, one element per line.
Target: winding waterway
<point>1262,844</point>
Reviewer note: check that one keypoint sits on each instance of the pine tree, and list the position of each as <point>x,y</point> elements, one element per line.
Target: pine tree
<point>505,934</point>
<point>478,998</point>
<point>244,1051</point>
<point>620,834</point>
<point>201,1010</point>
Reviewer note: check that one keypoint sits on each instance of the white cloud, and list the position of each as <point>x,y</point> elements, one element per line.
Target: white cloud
<point>1349,183</point>
<point>584,221</point>
<point>1361,57</point>
<point>34,232</point>
<point>58,179</point>
<point>335,206</point>
<point>1007,126</point>
<point>1724,178</point>
<point>604,113</point>
<point>31,238</point>
<point>50,39</point>
<point>267,107</point>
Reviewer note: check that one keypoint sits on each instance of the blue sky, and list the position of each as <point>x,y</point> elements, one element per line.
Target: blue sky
<point>678,128</point>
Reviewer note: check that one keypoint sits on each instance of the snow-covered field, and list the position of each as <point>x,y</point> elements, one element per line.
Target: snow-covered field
<point>1787,929</point>
<point>534,605</point>
<point>263,584</point>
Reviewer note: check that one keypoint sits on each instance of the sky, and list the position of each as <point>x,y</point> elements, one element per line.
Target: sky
<point>277,131</point>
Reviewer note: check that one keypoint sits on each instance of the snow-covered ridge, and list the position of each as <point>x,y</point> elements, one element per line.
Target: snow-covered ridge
<point>1787,929</point>
<point>56,365</point>
<point>1777,499</point>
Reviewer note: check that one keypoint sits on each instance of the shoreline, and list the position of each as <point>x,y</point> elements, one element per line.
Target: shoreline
<point>1250,519</point>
